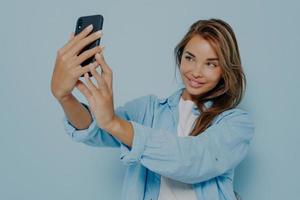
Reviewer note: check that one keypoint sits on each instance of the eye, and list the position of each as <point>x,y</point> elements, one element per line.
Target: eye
<point>188,58</point>
<point>213,65</point>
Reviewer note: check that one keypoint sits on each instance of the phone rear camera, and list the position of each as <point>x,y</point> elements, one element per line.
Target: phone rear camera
<point>80,24</point>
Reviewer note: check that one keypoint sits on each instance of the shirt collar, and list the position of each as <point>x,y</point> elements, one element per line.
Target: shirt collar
<point>173,100</point>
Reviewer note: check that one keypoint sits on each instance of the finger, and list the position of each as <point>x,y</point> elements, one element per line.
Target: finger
<point>76,38</point>
<point>72,35</point>
<point>83,89</point>
<point>90,84</point>
<point>83,43</point>
<point>104,85</point>
<point>82,70</point>
<point>101,61</point>
<point>106,70</point>
<point>102,82</point>
<point>87,54</point>
<point>96,75</point>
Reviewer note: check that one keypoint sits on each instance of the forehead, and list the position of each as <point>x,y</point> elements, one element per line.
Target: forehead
<point>200,47</point>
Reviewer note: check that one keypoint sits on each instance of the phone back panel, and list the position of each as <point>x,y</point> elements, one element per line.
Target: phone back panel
<point>81,24</point>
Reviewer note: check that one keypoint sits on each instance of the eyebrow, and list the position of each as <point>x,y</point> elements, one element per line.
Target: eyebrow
<point>210,59</point>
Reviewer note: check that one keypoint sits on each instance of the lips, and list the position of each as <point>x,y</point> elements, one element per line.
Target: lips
<point>195,84</point>
<point>196,81</point>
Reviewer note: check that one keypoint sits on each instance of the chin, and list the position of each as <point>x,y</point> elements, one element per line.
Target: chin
<point>192,90</point>
<point>194,93</point>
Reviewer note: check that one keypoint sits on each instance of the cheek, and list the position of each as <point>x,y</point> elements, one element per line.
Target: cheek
<point>182,68</point>
<point>214,78</point>
<point>185,67</point>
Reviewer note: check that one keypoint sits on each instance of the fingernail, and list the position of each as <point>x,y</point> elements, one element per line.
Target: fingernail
<point>97,55</point>
<point>99,33</point>
<point>102,49</point>
<point>90,27</point>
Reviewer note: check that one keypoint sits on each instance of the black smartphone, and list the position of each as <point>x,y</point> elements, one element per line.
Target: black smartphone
<point>81,24</point>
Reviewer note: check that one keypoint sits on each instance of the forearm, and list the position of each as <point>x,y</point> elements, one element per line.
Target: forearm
<point>76,113</point>
<point>122,130</point>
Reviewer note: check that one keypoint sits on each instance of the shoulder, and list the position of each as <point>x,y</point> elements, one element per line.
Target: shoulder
<point>151,100</point>
<point>233,114</point>
<point>137,108</point>
<point>236,120</point>
<point>141,101</point>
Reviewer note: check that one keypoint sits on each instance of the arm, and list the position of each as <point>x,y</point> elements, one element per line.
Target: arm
<point>122,130</point>
<point>66,76</point>
<point>78,115</point>
<point>95,136</point>
<point>192,159</point>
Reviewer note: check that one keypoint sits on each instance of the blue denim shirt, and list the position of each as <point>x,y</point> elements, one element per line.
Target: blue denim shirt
<point>206,161</point>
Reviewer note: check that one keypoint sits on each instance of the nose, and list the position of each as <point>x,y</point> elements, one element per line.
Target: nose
<point>197,72</point>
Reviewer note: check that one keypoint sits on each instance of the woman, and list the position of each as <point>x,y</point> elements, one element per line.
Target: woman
<point>185,146</point>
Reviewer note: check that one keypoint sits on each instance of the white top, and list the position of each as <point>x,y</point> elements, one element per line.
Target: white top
<point>171,189</point>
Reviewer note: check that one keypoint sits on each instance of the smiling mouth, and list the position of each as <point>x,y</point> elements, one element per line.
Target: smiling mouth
<point>195,84</point>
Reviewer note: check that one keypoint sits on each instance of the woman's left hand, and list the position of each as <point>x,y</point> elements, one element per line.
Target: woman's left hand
<point>100,97</point>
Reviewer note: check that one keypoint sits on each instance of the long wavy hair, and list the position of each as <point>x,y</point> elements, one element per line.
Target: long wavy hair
<point>230,90</point>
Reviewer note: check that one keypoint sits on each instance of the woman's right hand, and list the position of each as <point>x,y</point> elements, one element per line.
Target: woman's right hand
<point>67,68</point>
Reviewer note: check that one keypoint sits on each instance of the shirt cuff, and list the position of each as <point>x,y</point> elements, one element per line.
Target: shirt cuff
<point>80,135</point>
<point>133,155</point>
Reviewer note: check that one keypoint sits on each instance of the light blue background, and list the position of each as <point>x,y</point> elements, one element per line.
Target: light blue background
<point>38,159</point>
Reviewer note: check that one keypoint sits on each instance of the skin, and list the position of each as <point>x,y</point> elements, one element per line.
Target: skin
<point>100,95</point>
<point>67,68</point>
<point>199,62</point>
<point>66,75</point>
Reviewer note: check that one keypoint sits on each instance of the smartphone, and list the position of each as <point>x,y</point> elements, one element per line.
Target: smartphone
<point>81,24</point>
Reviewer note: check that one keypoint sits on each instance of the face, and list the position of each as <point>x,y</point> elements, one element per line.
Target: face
<point>199,68</point>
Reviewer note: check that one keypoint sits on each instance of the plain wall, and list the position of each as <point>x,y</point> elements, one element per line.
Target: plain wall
<point>39,160</point>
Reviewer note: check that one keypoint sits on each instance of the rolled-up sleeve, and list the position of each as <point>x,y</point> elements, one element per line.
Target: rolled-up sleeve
<point>193,159</point>
<point>77,134</point>
<point>93,135</point>
<point>96,136</point>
